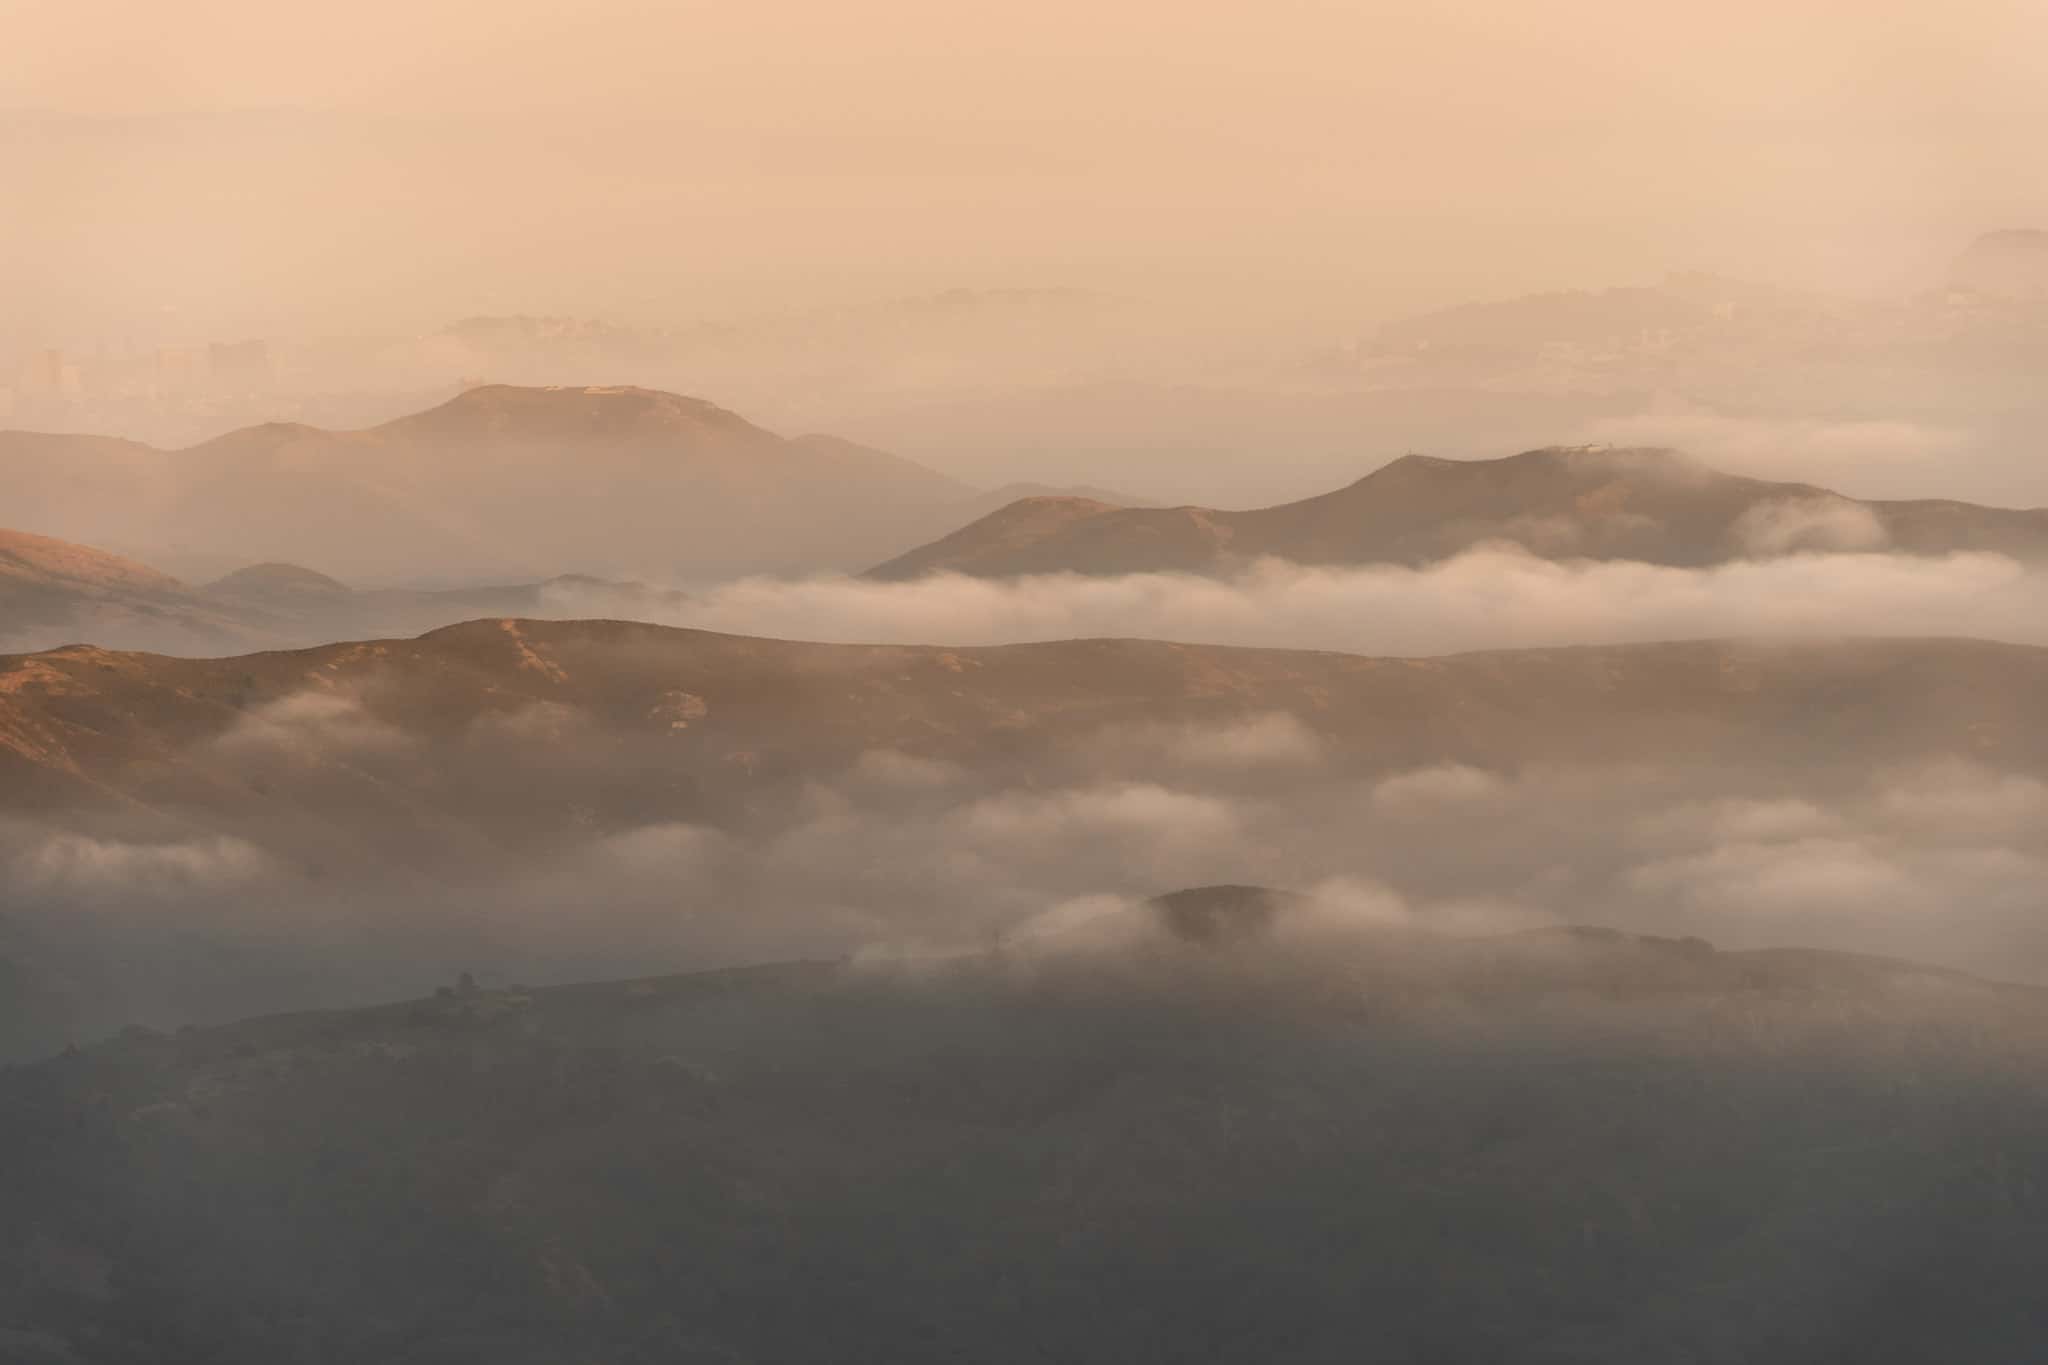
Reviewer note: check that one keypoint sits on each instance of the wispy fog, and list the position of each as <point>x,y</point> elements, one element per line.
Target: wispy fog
<point>1942,859</point>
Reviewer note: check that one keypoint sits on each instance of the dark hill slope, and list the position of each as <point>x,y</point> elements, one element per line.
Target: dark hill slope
<point>1576,1147</point>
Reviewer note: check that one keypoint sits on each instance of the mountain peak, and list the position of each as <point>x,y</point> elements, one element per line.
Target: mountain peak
<point>276,578</point>
<point>261,438</point>
<point>554,411</point>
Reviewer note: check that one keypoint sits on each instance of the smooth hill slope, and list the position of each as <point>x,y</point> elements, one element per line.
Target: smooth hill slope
<point>1572,1147</point>
<point>52,591</point>
<point>1579,502</point>
<point>500,481</point>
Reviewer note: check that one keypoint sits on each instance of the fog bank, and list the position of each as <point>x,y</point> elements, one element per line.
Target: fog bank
<point>1482,600</point>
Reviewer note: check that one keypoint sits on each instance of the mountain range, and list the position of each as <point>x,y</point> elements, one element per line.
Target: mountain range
<point>1582,502</point>
<point>509,483</point>
<point>499,481</point>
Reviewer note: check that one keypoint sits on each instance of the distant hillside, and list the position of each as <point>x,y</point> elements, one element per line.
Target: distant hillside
<point>498,481</point>
<point>1562,503</point>
<point>998,498</point>
<point>301,606</point>
<point>2012,264</point>
<point>55,593</point>
<point>636,723</point>
<point>1577,1146</point>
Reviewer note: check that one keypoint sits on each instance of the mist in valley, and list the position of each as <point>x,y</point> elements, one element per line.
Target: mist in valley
<point>547,842</point>
<point>975,684</point>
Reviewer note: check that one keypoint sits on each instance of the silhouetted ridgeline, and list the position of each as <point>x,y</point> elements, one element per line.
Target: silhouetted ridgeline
<point>1584,502</point>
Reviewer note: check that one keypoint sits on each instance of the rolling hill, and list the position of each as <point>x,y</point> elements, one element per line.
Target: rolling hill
<point>1563,503</point>
<point>699,720</point>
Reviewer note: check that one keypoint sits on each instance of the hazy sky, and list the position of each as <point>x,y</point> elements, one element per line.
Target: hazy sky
<point>259,165</point>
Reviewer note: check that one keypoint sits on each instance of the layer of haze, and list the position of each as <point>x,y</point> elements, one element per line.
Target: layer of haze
<point>1941,860</point>
<point>225,169</point>
<point>252,167</point>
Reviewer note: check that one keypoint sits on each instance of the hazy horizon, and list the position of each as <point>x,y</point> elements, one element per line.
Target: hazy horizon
<point>245,169</point>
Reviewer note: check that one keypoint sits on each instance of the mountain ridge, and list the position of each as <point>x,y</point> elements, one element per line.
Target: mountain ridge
<point>499,480</point>
<point>1648,504</point>
<point>739,711</point>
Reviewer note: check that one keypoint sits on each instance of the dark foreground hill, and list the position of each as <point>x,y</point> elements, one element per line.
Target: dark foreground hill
<point>1563,503</point>
<point>1295,1144</point>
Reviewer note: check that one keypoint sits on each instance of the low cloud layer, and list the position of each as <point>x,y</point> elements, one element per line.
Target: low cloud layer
<point>81,868</point>
<point>560,845</point>
<point>1943,861</point>
<point>1491,599</point>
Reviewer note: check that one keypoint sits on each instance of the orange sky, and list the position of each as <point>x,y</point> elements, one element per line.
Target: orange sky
<point>236,162</point>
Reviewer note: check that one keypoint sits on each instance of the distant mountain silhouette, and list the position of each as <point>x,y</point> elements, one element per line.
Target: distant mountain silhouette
<point>500,481</point>
<point>1590,502</point>
<point>998,498</point>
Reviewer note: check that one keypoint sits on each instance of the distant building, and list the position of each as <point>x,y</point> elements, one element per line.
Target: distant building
<point>240,366</point>
<point>42,374</point>
<point>179,369</point>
